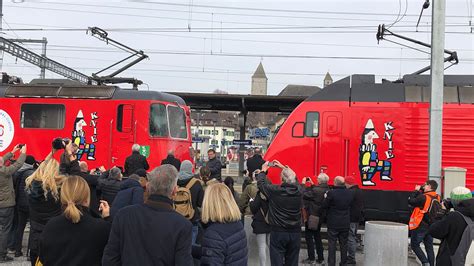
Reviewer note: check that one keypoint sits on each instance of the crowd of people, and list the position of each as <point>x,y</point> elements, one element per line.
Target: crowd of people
<point>173,215</point>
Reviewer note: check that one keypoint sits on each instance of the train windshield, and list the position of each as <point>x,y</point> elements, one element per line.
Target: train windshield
<point>168,121</point>
<point>158,120</point>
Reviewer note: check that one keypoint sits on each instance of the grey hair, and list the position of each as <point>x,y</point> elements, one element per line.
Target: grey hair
<point>339,181</point>
<point>83,165</point>
<point>135,147</point>
<point>288,176</point>
<point>162,180</point>
<point>170,152</point>
<point>115,173</point>
<point>323,178</point>
<point>134,177</point>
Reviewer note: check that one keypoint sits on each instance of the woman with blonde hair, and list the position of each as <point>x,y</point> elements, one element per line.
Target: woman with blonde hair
<point>76,237</point>
<point>224,240</point>
<point>42,188</point>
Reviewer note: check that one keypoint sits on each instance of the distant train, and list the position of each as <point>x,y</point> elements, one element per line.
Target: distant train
<point>104,121</point>
<point>378,133</point>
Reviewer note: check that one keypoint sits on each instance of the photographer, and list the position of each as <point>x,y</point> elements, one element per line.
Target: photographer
<point>284,215</point>
<point>422,200</point>
<point>92,178</point>
<point>69,164</point>
<point>313,198</point>
<point>453,229</point>
<point>7,193</point>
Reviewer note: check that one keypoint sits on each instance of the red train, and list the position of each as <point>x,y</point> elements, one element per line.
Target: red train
<point>379,134</point>
<point>105,121</point>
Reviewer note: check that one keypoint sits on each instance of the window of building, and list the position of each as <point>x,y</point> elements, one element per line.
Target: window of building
<point>207,132</point>
<point>214,142</point>
<point>200,131</point>
<point>215,132</point>
<point>312,124</point>
<point>158,120</point>
<point>49,116</point>
<point>177,122</point>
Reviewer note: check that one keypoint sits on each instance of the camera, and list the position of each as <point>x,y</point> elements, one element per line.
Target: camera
<point>60,143</point>
<point>21,145</point>
<point>97,171</point>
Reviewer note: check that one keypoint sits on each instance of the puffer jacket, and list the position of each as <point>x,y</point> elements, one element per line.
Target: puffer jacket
<point>224,244</point>
<point>108,188</point>
<point>259,208</point>
<point>21,197</point>
<point>450,230</point>
<point>134,162</point>
<point>216,168</point>
<point>7,192</point>
<point>131,193</point>
<point>285,201</point>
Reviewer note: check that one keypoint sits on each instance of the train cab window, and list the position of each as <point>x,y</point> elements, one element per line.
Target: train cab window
<point>312,124</point>
<point>50,116</point>
<point>177,122</point>
<point>158,120</point>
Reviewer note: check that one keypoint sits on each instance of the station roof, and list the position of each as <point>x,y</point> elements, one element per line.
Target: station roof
<point>250,103</point>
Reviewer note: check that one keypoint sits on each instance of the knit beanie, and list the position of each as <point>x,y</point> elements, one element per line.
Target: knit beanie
<point>460,193</point>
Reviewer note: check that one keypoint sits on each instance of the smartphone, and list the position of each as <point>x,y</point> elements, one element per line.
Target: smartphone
<point>271,164</point>
<point>21,145</point>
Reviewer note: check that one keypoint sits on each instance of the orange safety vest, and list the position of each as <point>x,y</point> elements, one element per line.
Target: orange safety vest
<point>418,214</point>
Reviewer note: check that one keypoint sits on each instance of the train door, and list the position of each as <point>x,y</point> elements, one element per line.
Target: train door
<point>123,136</point>
<point>331,147</point>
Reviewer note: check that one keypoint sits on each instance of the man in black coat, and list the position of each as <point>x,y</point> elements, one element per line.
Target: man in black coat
<point>214,165</point>
<point>170,159</point>
<point>152,233</point>
<point>255,162</point>
<point>451,229</point>
<point>337,204</point>
<point>91,178</point>
<point>108,184</point>
<point>357,207</point>
<point>284,215</point>
<point>135,161</point>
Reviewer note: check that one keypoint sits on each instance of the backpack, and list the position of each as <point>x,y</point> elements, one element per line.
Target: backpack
<point>459,257</point>
<point>435,212</point>
<point>182,200</point>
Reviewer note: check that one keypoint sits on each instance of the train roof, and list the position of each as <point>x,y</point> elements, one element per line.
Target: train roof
<point>72,90</point>
<point>412,88</point>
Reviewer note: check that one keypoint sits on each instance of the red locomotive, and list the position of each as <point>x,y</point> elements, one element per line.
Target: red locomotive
<point>377,133</point>
<point>104,121</point>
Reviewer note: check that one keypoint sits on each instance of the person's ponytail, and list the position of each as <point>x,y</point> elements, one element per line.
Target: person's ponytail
<point>72,212</point>
<point>74,192</point>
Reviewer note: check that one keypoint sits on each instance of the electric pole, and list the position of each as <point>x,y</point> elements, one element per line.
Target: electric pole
<point>437,87</point>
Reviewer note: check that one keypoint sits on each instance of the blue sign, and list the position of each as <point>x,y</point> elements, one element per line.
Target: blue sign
<point>198,140</point>
<point>242,142</point>
<point>259,132</point>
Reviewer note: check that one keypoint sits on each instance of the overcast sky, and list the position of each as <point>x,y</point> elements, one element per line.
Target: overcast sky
<point>201,46</point>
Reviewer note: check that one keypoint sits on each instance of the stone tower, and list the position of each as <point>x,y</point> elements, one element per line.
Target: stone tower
<point>327,80</point>
<point>259,81</point>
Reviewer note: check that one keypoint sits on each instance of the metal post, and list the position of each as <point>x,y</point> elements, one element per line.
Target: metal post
<point>43,54</point>
<point>242,122</point>
<point>437,87</point>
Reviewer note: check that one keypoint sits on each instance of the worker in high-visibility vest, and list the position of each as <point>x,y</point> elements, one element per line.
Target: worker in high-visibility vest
<point>421,200</point>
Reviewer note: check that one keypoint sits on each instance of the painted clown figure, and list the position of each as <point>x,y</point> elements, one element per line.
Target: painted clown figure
<point>369,163</point>
<point>79,138</point>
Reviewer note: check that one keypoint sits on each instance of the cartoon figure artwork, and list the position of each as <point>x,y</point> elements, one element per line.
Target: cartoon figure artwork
<point>7,130</point>
<point>369,163</point>
<point>79,138</point>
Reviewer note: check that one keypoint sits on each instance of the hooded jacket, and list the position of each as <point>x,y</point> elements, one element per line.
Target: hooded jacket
<point>108,187</point>
<point>131,193</point>
<point>450,229</point>
<point>285,202</point>
<point>7,192</point>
